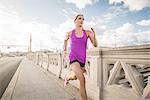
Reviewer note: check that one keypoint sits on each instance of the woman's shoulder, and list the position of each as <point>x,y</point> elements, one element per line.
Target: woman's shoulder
<point>69,32</point>
<point>87,32</point>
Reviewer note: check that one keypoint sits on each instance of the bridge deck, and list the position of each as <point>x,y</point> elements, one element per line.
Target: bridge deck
<point>31,82</point>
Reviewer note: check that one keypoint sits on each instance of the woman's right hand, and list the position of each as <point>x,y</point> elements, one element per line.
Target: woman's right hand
<point>64,54</point>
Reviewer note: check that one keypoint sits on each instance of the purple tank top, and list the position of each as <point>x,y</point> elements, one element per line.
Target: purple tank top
<point>78,47</point>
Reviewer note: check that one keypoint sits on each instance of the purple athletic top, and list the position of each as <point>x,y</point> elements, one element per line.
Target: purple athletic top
<point>78,47</point>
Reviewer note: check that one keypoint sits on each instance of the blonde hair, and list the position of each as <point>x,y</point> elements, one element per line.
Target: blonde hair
<point>77,16</point>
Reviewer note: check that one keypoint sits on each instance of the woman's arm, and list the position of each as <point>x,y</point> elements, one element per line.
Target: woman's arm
<point>65,41</point>
<point>65,44</point>
<point>92,36</point>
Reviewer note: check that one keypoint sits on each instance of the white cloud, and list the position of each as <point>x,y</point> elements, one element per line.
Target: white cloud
<point>126,28</point>
<point>69,12</point>
<point>114,1</point>
<point>81,3</point>
<point>133,4</point>
<point>143,37</point>
<point>64,12</point>
<point>123,36</point>
<point>144,22</point>
<point>115,12</point>
<point>61,31</point>
<point>15,31</point>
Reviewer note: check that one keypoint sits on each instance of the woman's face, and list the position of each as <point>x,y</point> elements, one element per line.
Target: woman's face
<point>79,21</point>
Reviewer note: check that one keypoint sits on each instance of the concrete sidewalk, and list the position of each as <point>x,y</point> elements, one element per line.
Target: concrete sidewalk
<point>31,82</point>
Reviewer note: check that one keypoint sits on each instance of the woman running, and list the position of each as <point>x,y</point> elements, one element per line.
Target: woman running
<point>77,56</point>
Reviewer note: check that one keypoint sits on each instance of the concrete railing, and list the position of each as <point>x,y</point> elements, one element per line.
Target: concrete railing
<point>112,73</point>
<point>126,72</point>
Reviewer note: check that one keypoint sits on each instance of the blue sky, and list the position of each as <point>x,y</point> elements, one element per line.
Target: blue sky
<point>117,22</point>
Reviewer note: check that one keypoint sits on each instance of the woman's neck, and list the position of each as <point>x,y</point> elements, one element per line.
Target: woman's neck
<point>79,28</point>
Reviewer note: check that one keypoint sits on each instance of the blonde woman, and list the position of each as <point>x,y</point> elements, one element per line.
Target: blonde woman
<point>77,56</point>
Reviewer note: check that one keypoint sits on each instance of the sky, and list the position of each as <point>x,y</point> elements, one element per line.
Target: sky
<point>116,22</point>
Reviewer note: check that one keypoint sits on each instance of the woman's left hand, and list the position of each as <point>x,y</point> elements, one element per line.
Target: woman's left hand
<point>93,31</point>
<point>94,41</point>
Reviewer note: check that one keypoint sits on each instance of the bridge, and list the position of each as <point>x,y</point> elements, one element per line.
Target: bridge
<point>121,73</point>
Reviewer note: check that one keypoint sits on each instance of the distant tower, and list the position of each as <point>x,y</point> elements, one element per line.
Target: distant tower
<point>30,44</point>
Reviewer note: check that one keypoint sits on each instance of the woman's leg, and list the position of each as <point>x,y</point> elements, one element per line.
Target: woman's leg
<point>72,76</point>
<point>84,70</point>
<point>68,77</point>
<point>79,74</point>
